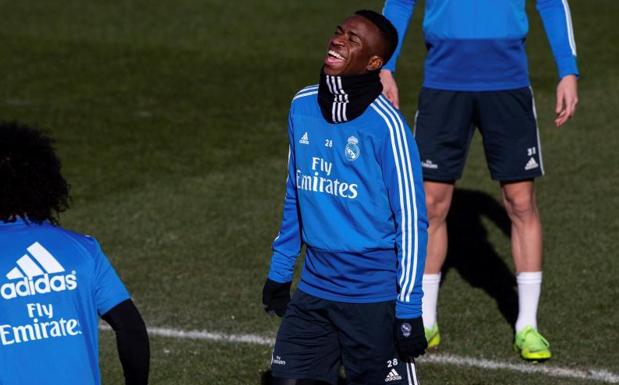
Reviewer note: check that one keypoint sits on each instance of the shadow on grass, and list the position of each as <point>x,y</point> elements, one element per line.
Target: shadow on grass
<point>472,255</point>
<point>267,379</point>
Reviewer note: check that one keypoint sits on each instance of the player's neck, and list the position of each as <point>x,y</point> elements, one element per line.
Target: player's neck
<point>344,98</point>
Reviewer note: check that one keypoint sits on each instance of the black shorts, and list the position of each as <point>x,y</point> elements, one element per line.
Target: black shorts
<point>316,336</point>
<point>445,123</point>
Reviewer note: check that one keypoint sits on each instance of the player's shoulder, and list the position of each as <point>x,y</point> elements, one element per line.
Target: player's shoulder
<point>87,244</point>
<point>305,94</point>
<point>305,102</point>
<point>385,116</point>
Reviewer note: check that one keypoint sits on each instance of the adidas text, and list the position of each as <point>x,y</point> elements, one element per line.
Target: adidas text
<point>429,164</point>
<point>42,284</point>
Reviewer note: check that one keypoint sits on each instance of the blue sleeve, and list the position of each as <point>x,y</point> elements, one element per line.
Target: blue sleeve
<point>402,176</point>
<point>287,244</point>
<point>399,13</point>
<point>108,289</point>
<point>557,21</point>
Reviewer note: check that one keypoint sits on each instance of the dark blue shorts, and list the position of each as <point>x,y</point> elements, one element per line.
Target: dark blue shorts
<point>317,336</point>
<point>445,123</point>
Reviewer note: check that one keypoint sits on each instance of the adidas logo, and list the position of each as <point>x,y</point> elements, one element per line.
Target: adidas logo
<point>37,272</point>
<point>429,164</point>
<point>304,139</point>
<point>393,376</point>
<point>531,164</point>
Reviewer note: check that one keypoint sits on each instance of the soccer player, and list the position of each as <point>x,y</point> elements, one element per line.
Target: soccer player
<point>54,283</point>
<point>476,76</point>
<point>354,197</point>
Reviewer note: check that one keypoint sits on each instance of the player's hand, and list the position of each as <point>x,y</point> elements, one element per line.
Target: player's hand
<point>410,338</point>
<point>275,297</point>
<point>567,98</point>
<point>390,87</point>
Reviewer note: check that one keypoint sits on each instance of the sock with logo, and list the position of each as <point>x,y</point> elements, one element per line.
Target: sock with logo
<point>430,284</point>
<point>529,289</point>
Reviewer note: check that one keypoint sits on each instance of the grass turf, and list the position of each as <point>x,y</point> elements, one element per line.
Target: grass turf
<point>170,120</point>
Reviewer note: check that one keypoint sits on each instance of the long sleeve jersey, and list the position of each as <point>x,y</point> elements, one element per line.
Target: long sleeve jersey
<point>354,197</point>
<point>479,45</point>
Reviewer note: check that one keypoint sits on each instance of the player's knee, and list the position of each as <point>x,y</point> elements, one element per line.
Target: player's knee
<point>520,206</point>
<point>437,207</point>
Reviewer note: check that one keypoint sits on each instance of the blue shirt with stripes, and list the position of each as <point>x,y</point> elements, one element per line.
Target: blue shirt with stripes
<point>479,45</point>
<point>354,197</point>
<point>54,285</point>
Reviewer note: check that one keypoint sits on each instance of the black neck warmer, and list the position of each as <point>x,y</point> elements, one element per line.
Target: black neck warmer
<point>343,98</point>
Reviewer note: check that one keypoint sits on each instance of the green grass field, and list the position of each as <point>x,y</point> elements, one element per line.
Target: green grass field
<point>170,118</point>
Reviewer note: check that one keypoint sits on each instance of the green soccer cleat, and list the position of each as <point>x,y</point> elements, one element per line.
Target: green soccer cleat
<point>531,345</point>
<point>432,336</point>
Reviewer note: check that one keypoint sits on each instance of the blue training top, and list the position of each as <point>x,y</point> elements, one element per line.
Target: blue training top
<point>479,45</point>
<point>53,286</point>
<point>354,197</point>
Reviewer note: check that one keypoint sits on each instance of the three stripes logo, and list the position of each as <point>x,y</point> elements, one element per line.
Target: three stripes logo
<point>304,139</point>
<point>37,272</point>
<point>393,376</point>
<point>340,99</point>
<point>531,164</point>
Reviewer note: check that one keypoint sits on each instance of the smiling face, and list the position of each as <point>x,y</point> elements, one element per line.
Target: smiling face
<point>355,49</point>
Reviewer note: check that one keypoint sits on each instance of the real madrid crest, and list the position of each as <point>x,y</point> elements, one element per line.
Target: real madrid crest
<point>352,150</point>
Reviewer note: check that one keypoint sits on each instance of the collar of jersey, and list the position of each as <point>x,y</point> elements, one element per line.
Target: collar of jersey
<point>344,98</point>
<point>19,221</point>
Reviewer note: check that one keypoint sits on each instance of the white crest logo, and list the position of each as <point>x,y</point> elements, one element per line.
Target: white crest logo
<point>352,150</point>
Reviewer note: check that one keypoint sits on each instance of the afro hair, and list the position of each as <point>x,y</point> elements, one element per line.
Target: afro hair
<point>31,184</point>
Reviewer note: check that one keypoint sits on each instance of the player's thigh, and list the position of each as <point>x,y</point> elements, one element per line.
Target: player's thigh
<point>306,346</point>
<point>508,125</point>
<point>368,347</point>
<point>443,131</point>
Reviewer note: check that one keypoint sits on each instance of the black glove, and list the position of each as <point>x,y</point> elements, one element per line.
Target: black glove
<point>275,297</point>
<point>410,337</point>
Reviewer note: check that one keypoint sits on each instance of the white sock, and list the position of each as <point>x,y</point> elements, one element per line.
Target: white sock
<point>430,284</point>
<point>529,288</point>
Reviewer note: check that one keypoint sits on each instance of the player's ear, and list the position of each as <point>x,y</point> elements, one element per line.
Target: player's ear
<point>375,63</point>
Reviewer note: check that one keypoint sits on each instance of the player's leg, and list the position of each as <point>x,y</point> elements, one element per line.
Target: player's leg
<point>443,132</point>
<point>438,200</point>
<point>369,356</point>
<point>306,348</point>
<point>526,231</point>
<point>511,142</point>
<point>526,238</point>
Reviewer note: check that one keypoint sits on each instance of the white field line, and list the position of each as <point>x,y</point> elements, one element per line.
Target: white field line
<point>601,375</point>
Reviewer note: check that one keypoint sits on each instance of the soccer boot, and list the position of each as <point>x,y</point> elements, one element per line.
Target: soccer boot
<point>432,336</point>
<point>532,345</point>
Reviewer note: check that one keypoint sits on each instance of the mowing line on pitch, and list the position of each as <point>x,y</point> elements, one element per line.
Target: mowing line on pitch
<point>440,358</point>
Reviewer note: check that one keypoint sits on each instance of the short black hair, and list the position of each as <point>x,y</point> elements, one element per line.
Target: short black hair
<point>388,31</point>
<point>31,184</point>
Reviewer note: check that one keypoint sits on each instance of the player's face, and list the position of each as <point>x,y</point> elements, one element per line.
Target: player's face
<point>353,49</point>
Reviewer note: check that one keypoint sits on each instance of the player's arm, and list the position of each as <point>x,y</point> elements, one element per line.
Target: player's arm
<point>399,12</point>
<point>131,341</point>
<point>403,179</point>
<point>557,22</point>
<point>287,244</point>
<point>114,305</point>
